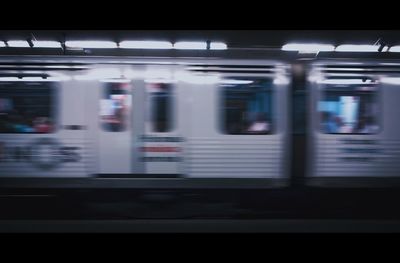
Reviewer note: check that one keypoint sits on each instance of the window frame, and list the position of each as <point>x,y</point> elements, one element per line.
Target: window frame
<point>104,87</point>
<point>322,90</point>
<point>54,106</point>
<point>222,104</point>
<point>149,109</point>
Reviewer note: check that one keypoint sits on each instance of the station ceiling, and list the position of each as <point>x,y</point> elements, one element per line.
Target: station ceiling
<point>234,38</point>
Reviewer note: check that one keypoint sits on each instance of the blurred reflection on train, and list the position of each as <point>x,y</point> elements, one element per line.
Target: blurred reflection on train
<point>170,122</point>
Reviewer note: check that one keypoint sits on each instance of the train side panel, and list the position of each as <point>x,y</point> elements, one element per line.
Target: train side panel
<point>213,152</point>
<point>371,149</point>
<point>27,148</point>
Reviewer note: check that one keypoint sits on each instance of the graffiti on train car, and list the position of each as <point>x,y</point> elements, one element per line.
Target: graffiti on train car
<point>43,153</point>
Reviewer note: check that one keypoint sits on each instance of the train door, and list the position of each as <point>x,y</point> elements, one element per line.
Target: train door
<point>160,144</point>
<point>238,123</point>
<point>113,110</point>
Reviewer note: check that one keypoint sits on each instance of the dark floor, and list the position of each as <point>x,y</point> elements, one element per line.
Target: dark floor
<point>105,204</point>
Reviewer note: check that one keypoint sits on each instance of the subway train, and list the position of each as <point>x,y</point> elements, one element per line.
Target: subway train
<point>196,122</point>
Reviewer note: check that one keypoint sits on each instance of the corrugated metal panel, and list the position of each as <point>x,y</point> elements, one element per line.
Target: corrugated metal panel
<point>333,158</point>
<point>226,158</point>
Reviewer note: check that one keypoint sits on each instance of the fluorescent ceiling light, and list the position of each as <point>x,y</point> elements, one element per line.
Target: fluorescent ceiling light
<point>218,46</point>
<point>38,79</point>
<point>146,44</point>
<point>46,44</point>
<point>346,81</point>
<point>191,45</point>
<point>308,47</point>
<point>235,81</point>
<point>357,48</point>
<point>41,79</point>
<point>9,79</point>
<point>344,69</point>
<point>2,44</point>
<point>18,43</point>
<point>90,44</point>
<point>394,49</point>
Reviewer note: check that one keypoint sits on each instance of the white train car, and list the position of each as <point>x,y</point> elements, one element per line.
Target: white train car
<point>354,131</point>
<point>137,122</point>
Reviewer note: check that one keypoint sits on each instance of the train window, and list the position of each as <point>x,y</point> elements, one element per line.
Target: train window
<point>159,107</point>
<point>247,106</point>
<point>115,107</point>
<point>349,110</point>
<point>27,107</point>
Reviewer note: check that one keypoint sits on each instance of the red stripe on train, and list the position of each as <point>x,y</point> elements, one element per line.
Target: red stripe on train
<point>160,149</point>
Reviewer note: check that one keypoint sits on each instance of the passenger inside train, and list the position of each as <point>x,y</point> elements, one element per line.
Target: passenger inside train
<point>368,125</point>
<point>260,124</point>
<point>248,107</point>
<point>349,113</point>
<point>115,107</point>
<point>24,110</point>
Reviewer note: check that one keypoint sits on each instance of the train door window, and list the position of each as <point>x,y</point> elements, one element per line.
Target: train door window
<point>349,110</point>
<point>247,106</point>
<point>115,107</point>
<point>159,103</point>
<point>27,107</point>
